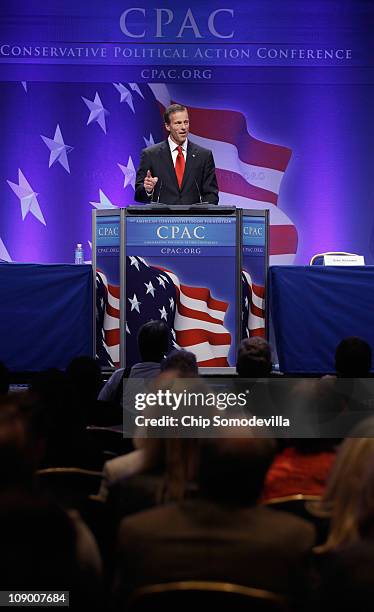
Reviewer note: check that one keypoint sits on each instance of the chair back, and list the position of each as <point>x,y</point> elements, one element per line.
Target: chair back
<point>186,596</point>
<point>301,505</point>
<point>68,486</point>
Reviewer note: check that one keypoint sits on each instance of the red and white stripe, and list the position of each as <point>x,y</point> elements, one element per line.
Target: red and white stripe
<point>199,324</point>
<point>111,320</point>
<point>256,309</point>
<point>249,171</point>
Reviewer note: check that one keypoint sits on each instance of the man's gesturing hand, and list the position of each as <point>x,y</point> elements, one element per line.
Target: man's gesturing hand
<point>150,181</point>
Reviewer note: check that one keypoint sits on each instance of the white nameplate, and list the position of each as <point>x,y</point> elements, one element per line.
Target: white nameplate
<point>344,260</point>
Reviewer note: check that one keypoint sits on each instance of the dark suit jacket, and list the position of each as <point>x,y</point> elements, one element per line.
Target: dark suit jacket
<point>199,175</point>
<point>202,540</point>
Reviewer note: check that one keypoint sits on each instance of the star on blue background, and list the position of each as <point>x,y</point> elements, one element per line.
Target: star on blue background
<point>97,111</point>
<point>59,150</point>
<point>27,197</point>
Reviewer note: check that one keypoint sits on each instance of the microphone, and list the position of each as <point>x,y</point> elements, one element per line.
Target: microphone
<point>197,187</point>
<point>159,192</point>
<point>200,198</point>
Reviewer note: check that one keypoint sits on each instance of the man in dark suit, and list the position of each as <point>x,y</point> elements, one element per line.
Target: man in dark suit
<point>176,171</point>
<point>221,535</point>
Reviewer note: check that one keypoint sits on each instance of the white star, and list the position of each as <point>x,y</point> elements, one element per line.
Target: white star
<point>27,197</point>
<point>150,288</point>
<point>161,281</point>
<point>246,302</point>
<point>58,149</point>
<point>134,303</point>
<point>4,255</point>
<point>102,302</point>
<point>173,333</point>
<point>247,330</point>
<point>97,111</point>
<point>171,300</point>
<point>143,261</point>
<point>127,329</point>
<point>149,141</point>
<point>134,262</point>
<point>164,314</point>
<point>104,202</point>
<point>125,95</point>
<point>24,85</point>
<point>135,87</point>
<point>175,345</point>
<point>129,172</point>
<point>165,278</point>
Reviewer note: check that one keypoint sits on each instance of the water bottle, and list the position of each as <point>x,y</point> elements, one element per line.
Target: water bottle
<point>78,259</point>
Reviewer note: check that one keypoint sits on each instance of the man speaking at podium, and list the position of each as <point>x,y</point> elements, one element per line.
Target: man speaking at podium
<point>176,171</point>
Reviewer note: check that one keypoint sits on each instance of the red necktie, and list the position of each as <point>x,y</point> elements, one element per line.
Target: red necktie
<point>179,166</point>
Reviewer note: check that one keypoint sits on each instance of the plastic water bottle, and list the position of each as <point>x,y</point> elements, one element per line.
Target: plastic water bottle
<point>79,259</point>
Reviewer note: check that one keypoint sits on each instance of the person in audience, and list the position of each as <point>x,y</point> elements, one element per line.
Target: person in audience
<point>221,535</point>
<point>59,419</point>
<point>182,363</point>
<point>346,574</point>
<point>345,580</point>
<point>153,342</point>
<point>353,358</point>
<point>42,550</point>
<point>84,375</point>
<point>254,358</point>
<point>26,533</point>
<point>342,494</point>
<point>303,466</point>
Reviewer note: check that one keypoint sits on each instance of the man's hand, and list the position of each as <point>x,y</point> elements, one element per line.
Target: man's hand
<point>150,182</point>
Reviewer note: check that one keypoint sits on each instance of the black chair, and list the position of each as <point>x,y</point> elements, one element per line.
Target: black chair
<point>302,506</point>
<point>205,595</point>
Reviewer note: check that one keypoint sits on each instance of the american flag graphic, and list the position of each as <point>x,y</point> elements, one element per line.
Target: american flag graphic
<point>199,324</point>
<point>253,307</point>
<point>107,321</point>
<point>194,316</point>
<point>249,171</point>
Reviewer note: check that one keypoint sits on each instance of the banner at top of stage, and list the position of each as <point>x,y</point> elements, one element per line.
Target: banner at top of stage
<point>282,21</point>
<point>235,35</point>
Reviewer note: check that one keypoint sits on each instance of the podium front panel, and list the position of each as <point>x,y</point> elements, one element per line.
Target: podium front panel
<point>183,269</point>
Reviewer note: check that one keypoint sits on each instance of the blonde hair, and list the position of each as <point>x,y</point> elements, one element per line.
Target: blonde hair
<point>342,496</point>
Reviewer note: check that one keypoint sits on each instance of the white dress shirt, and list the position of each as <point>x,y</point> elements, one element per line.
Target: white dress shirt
<point>174,149</point>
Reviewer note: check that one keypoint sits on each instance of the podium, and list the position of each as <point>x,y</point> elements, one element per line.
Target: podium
<point>202,269</point>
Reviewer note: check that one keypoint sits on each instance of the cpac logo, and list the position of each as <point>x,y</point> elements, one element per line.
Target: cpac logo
<point>163,19</point>
<point>252,230</point>
<point>176,232</point>
<point>108,231</point>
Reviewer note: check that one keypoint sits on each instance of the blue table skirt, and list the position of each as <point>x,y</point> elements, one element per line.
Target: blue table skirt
<point>313,308</point>
<point>45,315</point>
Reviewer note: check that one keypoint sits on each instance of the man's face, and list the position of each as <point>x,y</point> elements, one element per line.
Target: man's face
<point>178,127</point>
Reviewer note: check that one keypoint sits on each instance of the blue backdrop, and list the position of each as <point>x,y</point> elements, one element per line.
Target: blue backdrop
<point>289,120</point>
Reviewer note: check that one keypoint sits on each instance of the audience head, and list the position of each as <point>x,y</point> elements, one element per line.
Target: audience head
<point>254,358</point>
<point>353,358</point>
<point>16,467</point>
<point>153,341</point>
<point>342,496</point>
<point>4,379</point>
<point>84,374</point>
<point>183,363</point>
<point>233,470</point>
